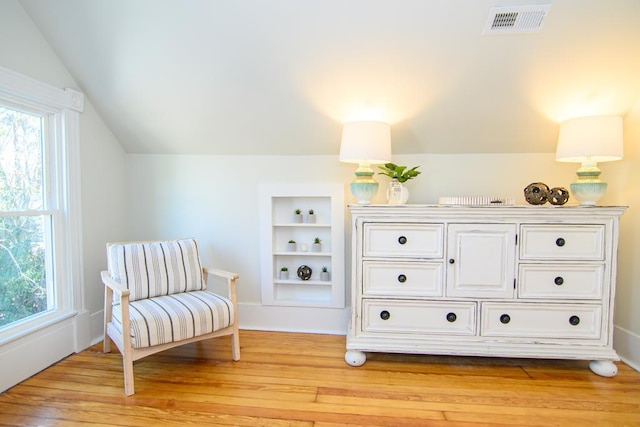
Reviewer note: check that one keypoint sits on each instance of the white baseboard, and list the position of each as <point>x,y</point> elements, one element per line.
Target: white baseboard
<point>293,319</point>
<point>97,327</point>
<point>82,325</point>
<point>28,355</point>
<point>627,345</point>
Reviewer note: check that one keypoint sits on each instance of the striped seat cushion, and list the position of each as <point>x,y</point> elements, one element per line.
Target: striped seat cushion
<point>155,269</point>
<point>175,317</point>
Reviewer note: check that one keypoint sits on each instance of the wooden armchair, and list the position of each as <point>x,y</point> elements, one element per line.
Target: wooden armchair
<point>156,299</point>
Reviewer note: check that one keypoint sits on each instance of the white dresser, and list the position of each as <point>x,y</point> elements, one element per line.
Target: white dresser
<point>499,281</point>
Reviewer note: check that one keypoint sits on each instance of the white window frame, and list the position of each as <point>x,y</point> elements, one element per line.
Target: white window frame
<point>62,108</point>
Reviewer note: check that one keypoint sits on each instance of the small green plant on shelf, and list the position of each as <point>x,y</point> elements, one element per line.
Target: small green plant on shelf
<point>284,269</point>
<point>311,212</point>
<point>316,241</point>
<point>292,241</point>
<point>298,211</point>
<point>392,170</point>
<point>325,270</point>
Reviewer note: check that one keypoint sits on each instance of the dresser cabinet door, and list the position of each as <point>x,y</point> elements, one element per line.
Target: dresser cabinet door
<point>481,260</point>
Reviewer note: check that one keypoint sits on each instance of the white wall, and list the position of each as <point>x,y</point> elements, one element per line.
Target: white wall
<point>623,178</point>
<point>24,50</point>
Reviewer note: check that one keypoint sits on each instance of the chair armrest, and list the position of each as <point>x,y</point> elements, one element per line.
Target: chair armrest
<point>221,273</point>
<point>228,276</point>
<point>113,285</point>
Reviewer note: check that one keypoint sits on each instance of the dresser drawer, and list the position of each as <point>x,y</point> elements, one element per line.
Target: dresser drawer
<point>403,240</point>
<point>412,317</point>
<point>540,320</point>
<point>402,278</point>
<point>560,281</point>
<point>562,242</point>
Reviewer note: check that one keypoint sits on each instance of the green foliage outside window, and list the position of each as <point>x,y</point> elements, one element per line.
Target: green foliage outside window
<point>23,290</point>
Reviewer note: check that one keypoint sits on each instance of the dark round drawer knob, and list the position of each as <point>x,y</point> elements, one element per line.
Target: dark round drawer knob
<point>574,320</point>
<point>560,242</point>
<point>451,317</point>
<point>558,281</point>
<point>452,261</point>
<point>385,315</point>
<point>505,318</point>
<point>402,278</point>
<point>402,240</point>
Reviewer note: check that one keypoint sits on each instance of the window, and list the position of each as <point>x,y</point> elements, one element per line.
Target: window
<point>25,224</point>
<point>41,302</point>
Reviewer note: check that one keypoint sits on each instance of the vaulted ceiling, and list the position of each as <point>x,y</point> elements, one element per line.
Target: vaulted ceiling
<point>281,76</point>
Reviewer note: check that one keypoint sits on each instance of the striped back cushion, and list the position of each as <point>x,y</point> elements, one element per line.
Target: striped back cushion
<point>156,268</point>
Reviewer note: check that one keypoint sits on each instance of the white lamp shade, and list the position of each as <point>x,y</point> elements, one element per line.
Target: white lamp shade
<point>366,142</point>
<point>598,138</point>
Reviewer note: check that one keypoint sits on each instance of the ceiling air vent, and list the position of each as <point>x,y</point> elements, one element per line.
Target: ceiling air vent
<point>516,20</point>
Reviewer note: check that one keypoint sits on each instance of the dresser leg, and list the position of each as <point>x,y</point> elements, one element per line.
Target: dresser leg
<point>355,358</point>
<point>604,368</point>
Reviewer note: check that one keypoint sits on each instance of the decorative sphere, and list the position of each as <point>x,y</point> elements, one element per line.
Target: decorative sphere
<point>536,193</point>
<point>558,196</point>
<point>304,272</point>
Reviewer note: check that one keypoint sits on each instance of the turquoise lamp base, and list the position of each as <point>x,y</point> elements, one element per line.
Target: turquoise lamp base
<point>364,188</point>
<point>364,191</point>
<point>588,189</point>
<point>588,193</point>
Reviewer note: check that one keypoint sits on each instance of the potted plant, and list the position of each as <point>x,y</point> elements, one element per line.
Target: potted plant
<point>292,247</point>
<point>317,245</point>
<point>297,215</point>
<point>311,217</point>
<point>324,274</point>
<point>399,175</point>
<point>284,273</point>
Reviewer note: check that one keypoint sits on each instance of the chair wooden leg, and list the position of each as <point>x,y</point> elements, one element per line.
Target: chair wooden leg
<point>127,365</point>
<point>108,311</point>
<point>235,345</point>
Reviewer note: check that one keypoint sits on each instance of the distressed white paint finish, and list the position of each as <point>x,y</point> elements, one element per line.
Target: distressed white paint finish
<point>472,311</point>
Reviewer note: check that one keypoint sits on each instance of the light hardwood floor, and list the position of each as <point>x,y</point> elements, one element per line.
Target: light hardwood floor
<point>287,379</point>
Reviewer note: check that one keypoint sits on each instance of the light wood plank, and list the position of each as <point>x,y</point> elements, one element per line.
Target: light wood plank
<point>286,379</point>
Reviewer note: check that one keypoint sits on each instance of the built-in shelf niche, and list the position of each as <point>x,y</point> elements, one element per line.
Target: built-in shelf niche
<point>278,203</point>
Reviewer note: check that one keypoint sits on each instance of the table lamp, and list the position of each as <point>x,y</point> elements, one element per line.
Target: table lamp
<point>589,140</point>
<point>365,143</point>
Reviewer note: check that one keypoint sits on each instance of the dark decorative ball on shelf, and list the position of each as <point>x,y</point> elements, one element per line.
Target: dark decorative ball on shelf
<point>536,193</point>
<point>558,196</point>
<point>304,272</point>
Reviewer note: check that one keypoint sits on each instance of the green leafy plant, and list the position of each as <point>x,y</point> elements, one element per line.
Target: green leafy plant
<point>292,241</point>
<point>316,240</point>
<point>298,211</point>
<point>324,269</point>
<point>284,269</point>
<point>310,211</point>
<point>403,174</point>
